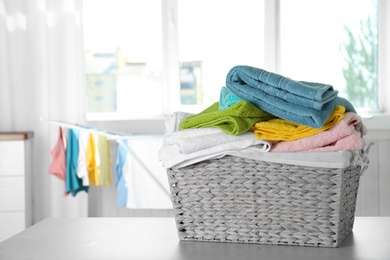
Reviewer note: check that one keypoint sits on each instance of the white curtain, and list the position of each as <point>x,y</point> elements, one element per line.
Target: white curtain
<point>41,75</point>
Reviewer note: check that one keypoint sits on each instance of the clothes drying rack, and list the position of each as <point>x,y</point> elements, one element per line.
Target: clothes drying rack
<point>113,136</point>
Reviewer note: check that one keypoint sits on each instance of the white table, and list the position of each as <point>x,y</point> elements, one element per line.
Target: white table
<point>156,238</point>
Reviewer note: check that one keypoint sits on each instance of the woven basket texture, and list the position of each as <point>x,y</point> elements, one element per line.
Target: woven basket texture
<point>238,200</point>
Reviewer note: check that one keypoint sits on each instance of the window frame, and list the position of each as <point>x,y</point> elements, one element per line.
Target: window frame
<point>383,55</point>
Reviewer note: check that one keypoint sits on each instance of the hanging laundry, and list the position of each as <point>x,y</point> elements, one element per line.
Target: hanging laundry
<point>85,159</point>
<point>58,154</point>
<point>91,156</point>
<point>82,169</point>
<point>120,181</point>
<point>104,163</point>
<point>73,183</point>
<point>65,137</point>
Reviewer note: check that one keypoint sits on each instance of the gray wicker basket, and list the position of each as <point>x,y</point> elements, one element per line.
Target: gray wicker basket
<point>238,200</point>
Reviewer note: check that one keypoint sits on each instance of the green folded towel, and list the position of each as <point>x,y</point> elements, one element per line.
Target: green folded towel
<point>237,119</point>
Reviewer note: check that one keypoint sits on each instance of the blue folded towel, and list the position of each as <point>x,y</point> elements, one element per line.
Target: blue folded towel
<point>305,103</point>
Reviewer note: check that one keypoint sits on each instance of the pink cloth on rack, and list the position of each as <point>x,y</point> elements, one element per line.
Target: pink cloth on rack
<point>342,136</point>
<point>58,154</point>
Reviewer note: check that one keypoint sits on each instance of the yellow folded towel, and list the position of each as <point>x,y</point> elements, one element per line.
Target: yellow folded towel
<point>283,130</point>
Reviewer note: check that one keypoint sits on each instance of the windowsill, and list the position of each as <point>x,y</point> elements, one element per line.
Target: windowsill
<point>147,126</point>
<point>378,125</point>
<point>101,116</point>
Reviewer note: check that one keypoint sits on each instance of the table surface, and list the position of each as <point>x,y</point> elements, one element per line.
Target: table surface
<point>156,238</point>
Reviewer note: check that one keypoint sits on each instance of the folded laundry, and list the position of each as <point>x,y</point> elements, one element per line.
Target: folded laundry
<point>173,121</point>
<point>237,119</point>
<point>283,130</point>
<point>305,103</point>
<point>337,160</point>
<point>192,140</point>
<point>227,98</point>
<point>343,136</point>
<point>286,116</point>
<point>190,144</point>
<point>73,184</point>
<point>171,155</point>
<point>352,142</point>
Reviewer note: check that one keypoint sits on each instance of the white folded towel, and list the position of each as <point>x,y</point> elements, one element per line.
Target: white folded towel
<point>179,146</point>
<point>192,140</point>
<point>171,155</point>
<point>337,160</point>
<point>172,122</point>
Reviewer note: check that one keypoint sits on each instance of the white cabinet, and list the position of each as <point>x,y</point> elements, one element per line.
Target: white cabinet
<point>15,184</point>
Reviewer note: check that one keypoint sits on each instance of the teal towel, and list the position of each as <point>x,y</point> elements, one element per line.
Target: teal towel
<point>305,103</point>
<point>237,119</point>
<point>227,99</point>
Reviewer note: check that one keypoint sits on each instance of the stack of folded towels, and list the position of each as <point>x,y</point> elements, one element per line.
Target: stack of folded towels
<point>262,112</point>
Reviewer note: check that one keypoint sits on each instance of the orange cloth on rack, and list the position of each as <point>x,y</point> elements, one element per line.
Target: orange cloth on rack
<point>58,153</point>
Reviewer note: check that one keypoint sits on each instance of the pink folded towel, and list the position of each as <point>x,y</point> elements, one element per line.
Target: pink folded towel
<point>342,136</point>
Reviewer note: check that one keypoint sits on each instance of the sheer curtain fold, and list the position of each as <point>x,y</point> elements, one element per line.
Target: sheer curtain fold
<point>41,75</point>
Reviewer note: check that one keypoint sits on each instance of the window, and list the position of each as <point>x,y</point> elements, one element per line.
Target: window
<point>214,36</point>
<point>123,58</point>
<point>336,42</point>
<point>148,58</point>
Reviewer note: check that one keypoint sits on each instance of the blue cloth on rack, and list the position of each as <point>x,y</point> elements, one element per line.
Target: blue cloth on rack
<point>305,103</point>
<point>121,182</point>
<point>73,184</point>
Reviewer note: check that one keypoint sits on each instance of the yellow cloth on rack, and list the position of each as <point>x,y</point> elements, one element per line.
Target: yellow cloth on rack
<point>283,130</point>
<point>93,169</point>
<point>103,149</point>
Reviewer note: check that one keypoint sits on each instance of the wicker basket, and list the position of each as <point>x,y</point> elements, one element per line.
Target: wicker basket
<point>238,200</point>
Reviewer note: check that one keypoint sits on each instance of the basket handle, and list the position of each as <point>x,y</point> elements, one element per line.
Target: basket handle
<point>363,160</point>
